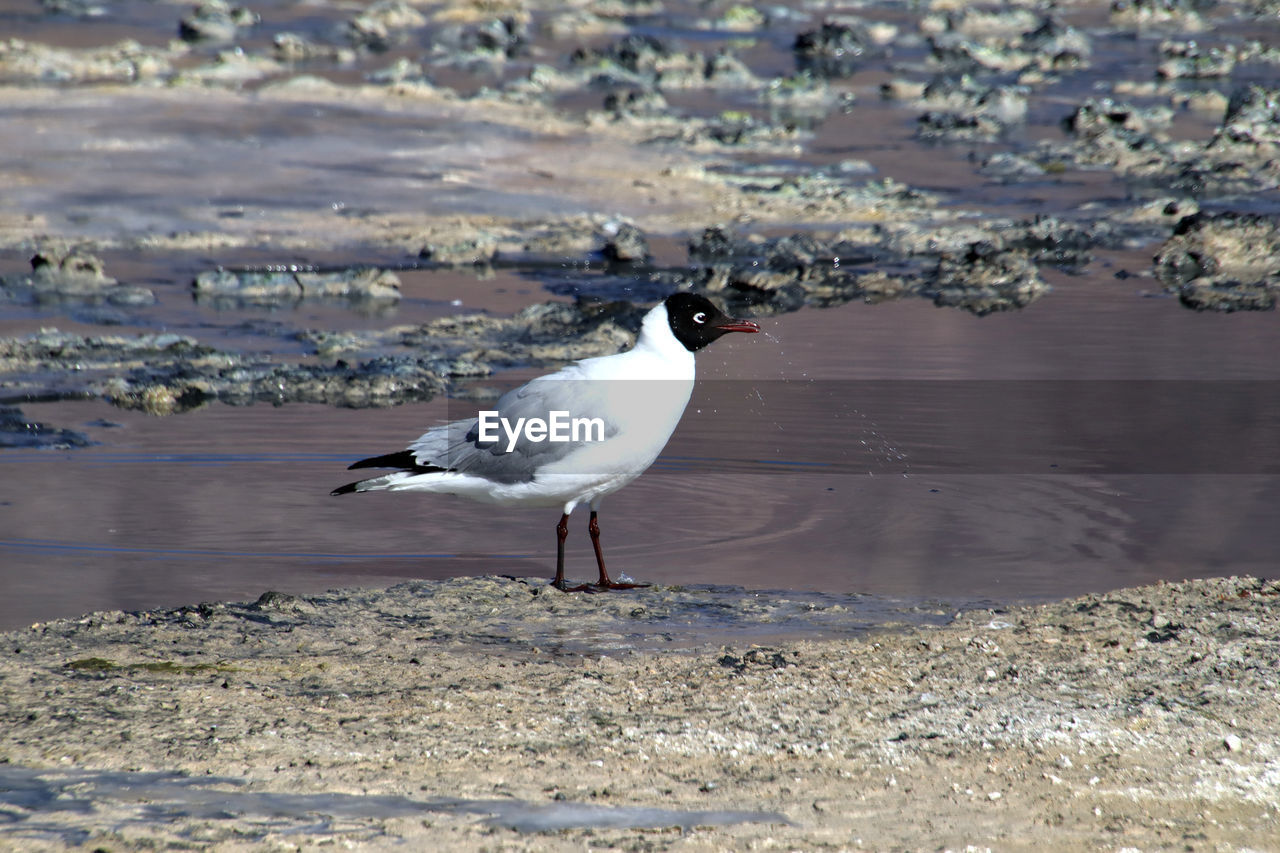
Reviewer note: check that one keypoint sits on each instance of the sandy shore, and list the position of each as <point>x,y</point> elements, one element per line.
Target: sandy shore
<point>471,714</point>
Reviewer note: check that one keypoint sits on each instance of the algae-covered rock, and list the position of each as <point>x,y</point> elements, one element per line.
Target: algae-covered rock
<point>216,21</point>
<point>985,280</point>
<point>18,431</point>
<point>1223,261</point>
<point>69,275</point>
<point>272,287</point>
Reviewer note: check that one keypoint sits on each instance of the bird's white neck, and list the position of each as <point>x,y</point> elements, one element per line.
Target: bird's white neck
<point>656,339</point>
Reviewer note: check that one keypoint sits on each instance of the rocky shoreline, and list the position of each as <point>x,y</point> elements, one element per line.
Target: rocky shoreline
<point>475,713</point>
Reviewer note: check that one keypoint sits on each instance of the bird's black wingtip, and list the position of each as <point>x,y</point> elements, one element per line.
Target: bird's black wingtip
<point>345,490</point>
<point>405,459</point>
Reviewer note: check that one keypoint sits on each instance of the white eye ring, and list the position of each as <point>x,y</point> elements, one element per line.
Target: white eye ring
<point>700,317</point>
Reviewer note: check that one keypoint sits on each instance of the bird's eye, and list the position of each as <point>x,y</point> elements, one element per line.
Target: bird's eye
<point>700,317</point>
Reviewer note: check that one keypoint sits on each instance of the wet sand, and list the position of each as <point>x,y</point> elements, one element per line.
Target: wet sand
<point>473,714</point>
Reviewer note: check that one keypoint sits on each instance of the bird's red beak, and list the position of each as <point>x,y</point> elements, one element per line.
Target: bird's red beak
<point>734,325</point>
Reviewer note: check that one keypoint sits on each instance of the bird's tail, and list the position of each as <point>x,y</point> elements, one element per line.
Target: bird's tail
<point>373,484</point>
<point>349,488</point>
<point>405,460</point>
<point>424,480</point>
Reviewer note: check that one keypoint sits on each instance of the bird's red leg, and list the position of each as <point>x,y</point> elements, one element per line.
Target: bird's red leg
<point>605,581</point>
<point>562,533</point>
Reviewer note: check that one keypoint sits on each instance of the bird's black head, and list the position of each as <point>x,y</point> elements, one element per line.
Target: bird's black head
<point>696,322</point>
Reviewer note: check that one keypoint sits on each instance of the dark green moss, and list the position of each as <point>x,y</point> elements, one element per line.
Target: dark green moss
<point>103,665</point>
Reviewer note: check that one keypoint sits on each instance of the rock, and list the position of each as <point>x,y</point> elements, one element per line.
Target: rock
<point>1181,14</point>
<point>782,274</point>
<point>636,103</point>
<point>985,280</point>
<point>292,47</point>
<point>216,21</point>
<point>1240,159</point>
<point>625,243</point>
<point>1223,261</point>
<point>69,267</point>
<point>73,8</point>
<point>935,126</point>
<point>163,389</point>
<point>1118,135</point>
<point>166,373</point>
<point>738,130</point>
<point>647,63</point>
<point>741,18</point>
<point>1058,47</point>
<point>803,98</point>
<point>1188,60</point>
<point>126,61</point>
<point>1056,242</point>
<point>505,38</point>
<point>1012,167</point>
<point>635,53</point>
<point>958,53</point>
<point>72,276</point>
<point>382,24</point>
<point>479,250</point>
<point>833,50</point>
<point>1004,40</point>
<point>1252,122</point>
<point>401,72</point>
<point>18,431</point>
<point>724,70</point>
<point>713,244</point>
<point>290,286</point>
<point>1227,295</point>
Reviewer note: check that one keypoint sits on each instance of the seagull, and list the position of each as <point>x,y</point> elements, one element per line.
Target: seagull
<point>612,414</point>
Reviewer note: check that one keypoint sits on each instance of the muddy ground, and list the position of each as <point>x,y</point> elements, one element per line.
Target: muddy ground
<point>473,714</point>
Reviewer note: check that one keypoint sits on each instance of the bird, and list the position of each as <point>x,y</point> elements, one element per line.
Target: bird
<point>627,405</point>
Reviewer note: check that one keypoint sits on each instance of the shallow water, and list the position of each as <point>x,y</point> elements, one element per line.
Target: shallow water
<point>68,795</point>
<point>898,449</point>
<point>894,449</point>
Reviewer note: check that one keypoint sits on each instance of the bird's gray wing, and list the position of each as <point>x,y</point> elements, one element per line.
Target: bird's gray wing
<point>459,447</point>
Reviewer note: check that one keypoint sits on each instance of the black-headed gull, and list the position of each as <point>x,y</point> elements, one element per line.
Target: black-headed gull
<point>570,437</point>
